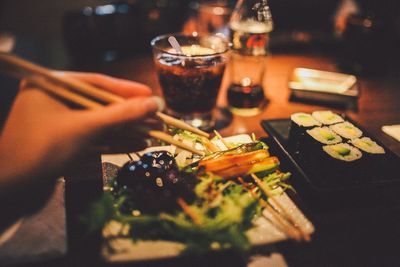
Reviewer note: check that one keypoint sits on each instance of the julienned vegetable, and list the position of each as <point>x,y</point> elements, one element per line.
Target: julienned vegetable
<point>153,204</point>
<point>228,166</point>
<point>233,161</point>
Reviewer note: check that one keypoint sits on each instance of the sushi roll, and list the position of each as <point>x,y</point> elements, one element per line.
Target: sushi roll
<point>343,152</point>
<point>374,160</point>
<point>338,165</point>
<point>367,145</point>
<point>304,120</point>
<point>300,122</point>
<point>347,130</point>
<point>324,135</point>
<point>327,117</point>
<point>310,147</point>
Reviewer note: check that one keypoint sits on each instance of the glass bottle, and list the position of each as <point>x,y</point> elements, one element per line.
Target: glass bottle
<point>250,25</point>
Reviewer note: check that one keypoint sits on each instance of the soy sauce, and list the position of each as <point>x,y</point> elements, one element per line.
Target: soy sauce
<point>245,99</point>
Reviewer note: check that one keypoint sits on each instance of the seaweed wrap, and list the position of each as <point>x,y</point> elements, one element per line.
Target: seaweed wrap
<point>300,122</point>
<point>375,158</point>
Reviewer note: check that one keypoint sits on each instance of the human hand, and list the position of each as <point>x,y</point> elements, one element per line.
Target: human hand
<point>42,136</point>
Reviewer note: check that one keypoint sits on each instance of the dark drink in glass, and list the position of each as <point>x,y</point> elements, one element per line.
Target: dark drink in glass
<point>245,97</point>
<point>250,26</point>
<point>190,88</point>
<point>191,81</point>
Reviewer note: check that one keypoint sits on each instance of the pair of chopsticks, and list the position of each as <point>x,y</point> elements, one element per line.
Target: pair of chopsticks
<point>85,95</point>
<point>91,97</point>
<point>278,209</point>
<point>281,217</point>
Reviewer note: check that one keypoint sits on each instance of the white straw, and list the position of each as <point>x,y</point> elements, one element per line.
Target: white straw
<point>174,43</point>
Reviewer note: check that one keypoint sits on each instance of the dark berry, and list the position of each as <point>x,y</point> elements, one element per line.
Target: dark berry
<point>159,160</point>
<point>154,182</point>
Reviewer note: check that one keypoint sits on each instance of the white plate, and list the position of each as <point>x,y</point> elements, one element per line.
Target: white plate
<point>264,231</point>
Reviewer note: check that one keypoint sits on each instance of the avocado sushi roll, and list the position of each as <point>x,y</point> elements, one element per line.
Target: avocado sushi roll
<point>367,145</point>
<point>343,152</point>
<point>327,117</point>
<point>347,130</point>
<point>311,144</point>
<point>337,164</point>
<point>300,122</point>
<point>304,120</point>
<point>324,135</point>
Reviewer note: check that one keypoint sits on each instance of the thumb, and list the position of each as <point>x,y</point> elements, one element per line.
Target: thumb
<point>131,110</point>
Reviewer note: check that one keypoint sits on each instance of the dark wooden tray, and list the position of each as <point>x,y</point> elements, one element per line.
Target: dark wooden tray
<point>373,181</point>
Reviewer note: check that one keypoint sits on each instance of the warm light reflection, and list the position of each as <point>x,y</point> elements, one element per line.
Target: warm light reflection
<point>197,122</point>
<point>316,80</point>
<point>218,11</point>
<point>246,81</point>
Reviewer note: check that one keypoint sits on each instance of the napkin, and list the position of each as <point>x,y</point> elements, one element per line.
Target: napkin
<point>38,237</point>
<point>392,130</point>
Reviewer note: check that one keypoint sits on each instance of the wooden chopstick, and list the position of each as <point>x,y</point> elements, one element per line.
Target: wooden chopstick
<point>87,89</point>
<point>55,84</point>
<point>68,81</point>
<point>90,104</point>
<point>217,134</point>
<point>282,209</point>
<point>167,138</point>
<point>282,224</point>
<point>66,94</point>
<point>180,124</point>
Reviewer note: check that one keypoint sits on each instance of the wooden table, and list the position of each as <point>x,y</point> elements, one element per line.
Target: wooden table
<point>378,104</point>
<point>354,238</point>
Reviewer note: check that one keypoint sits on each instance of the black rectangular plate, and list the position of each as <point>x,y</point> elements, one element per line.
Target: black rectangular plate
<point>373,181</point>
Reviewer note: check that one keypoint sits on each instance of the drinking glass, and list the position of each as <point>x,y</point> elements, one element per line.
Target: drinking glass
<point>190,81</point>
<point>208,16</point>
<point>250,24</point>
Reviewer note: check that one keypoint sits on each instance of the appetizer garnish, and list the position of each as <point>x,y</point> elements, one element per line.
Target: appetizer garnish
<point>205,202</point>
<point>231,165</point>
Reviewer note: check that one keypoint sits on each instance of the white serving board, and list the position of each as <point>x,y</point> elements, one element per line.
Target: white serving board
<point>263,233</point>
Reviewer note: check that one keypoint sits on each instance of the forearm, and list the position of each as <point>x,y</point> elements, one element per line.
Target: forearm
<point>21,194</point>
<point>25,183</point>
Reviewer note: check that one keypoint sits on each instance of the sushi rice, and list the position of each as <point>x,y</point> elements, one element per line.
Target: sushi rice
<point>343,152</point>
<point>324,135</point>
<point>367,145</point>
<point>304,120</point>
<point>347,130</point>
<point>327,117</point>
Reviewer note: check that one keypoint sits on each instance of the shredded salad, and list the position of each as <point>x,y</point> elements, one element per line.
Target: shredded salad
<point>206,203</point>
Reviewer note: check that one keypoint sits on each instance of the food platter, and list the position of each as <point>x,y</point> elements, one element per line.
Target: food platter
<point>370,179</point>
<point>119,249</point>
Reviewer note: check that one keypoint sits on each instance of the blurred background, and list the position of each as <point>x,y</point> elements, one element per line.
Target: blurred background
<point>363,35</point>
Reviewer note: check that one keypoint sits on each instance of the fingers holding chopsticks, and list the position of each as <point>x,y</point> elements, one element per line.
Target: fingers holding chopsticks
<point>140,103</point>
<point>119,112</point>
<point>131,110</point>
